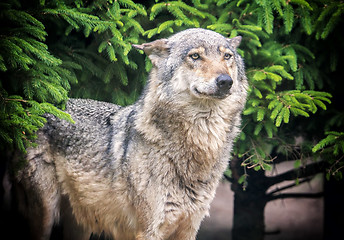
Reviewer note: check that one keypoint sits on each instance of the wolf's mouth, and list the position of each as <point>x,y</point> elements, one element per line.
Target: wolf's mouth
<point>198,92</point>
<point>217,94</point>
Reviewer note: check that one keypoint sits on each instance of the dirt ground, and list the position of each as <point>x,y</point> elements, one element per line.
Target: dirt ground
<point>288,219</point>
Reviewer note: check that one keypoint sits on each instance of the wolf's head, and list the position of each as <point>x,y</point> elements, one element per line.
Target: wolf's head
<point>197,62</point>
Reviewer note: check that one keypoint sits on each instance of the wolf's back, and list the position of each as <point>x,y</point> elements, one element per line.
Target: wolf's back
<point>88,111</point>
<point>89,137</point>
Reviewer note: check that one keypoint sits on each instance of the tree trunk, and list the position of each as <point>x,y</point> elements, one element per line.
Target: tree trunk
<point>248,220</point>
<point>249,204</point>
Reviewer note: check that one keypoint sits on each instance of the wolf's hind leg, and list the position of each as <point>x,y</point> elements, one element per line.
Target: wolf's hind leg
<point>38,194</point>
<point>39,211</point>
<point>71,229</point>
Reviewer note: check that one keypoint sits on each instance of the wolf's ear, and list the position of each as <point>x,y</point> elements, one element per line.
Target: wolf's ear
<point>156,50</point>
<point>234,42</point>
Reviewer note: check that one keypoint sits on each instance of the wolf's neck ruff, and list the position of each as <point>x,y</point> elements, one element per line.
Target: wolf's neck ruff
<point>197,131</point>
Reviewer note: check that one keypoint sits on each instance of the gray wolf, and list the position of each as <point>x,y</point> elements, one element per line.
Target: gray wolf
<point>148,171</point>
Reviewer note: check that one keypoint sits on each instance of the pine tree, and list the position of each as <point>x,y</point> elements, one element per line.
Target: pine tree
<point>47,46</point>
<point>32,78</point>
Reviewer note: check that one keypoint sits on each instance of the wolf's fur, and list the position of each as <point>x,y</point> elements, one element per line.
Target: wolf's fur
<point>150,170</point>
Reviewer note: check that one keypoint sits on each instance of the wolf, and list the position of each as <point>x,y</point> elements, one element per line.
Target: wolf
<point>148,171</point>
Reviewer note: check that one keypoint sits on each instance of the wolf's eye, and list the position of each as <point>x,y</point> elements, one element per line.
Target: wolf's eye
<point>227,56</point>
<point>195,56</point>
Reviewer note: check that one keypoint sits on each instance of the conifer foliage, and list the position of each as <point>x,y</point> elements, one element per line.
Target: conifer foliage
<point>46,46</point>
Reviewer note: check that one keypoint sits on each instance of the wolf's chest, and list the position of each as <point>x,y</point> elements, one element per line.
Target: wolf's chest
<point>189,197</point>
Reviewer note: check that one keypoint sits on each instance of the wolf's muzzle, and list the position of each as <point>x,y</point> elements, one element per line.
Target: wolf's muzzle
<point>224,82</point>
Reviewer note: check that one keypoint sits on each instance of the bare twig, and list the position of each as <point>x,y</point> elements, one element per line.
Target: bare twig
<point>295,195</point>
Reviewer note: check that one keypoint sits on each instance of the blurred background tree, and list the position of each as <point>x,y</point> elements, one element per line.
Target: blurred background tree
<point>54,49</point>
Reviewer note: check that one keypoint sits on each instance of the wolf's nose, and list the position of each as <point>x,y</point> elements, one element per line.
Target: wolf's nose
<point>224,82</point>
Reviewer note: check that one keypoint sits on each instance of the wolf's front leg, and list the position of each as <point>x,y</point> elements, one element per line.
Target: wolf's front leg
<point>147,236</point>
<point>148,228</point>
<point>185,231</point>
<point>187,228</point>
